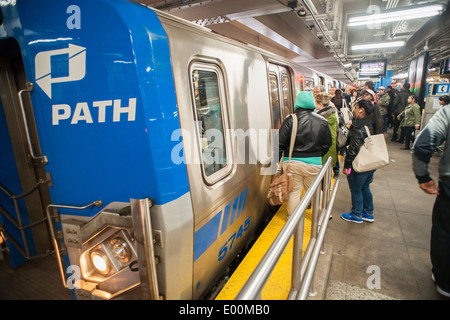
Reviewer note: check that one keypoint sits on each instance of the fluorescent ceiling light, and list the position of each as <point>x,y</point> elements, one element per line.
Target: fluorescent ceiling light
<point>397,15</point>
<point>379,45</point>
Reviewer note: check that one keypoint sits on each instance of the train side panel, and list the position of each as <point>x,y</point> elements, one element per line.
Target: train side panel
<point>227,209</point>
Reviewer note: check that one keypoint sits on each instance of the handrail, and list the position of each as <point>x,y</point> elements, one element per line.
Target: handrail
<point>29,88</point>
<point>97,203</point>
<point>317,248</point>
<point>254,285</point>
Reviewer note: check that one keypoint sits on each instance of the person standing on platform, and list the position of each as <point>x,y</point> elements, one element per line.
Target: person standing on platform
<point>338,99</point>
<point>312,141</point>
<point>383,103</point>
<point>410,120</point>
<point>400,102</point>
<point>330,114</point>
<point>435,133</point>
<point>392,95</point>
<point>359,182</point>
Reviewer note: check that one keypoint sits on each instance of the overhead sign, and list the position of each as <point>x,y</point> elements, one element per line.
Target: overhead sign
<point>442,89</point>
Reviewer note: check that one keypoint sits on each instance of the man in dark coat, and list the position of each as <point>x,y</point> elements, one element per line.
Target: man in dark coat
<point>400,102</point>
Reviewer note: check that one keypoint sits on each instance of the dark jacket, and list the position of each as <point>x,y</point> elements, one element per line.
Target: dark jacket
<point>392,96</point>
<point>313,135</point>
<point>401,101</point>
<point>435,133</point>
<point>356,137</point>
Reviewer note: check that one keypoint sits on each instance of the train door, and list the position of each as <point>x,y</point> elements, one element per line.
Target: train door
<point>24,191</point>
<point>281,96</point>
<point>321,81</point>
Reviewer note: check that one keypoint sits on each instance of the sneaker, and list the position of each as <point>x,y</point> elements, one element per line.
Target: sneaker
<point>350,217</point>
<point>439,290</point>
<point>367,217</point>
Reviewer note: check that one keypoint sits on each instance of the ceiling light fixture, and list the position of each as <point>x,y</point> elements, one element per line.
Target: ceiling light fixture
<point>397,15</point>
<point>379,45</point>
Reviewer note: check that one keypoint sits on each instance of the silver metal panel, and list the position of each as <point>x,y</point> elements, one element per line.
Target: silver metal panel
<point>247,98</point>
<point>175,267</point>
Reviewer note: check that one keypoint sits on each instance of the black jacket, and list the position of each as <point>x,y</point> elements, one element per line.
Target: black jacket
<point>356,137</point>
<point>313,135</point>
<point>401,101</point>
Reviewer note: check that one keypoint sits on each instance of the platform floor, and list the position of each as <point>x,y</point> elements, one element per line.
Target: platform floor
<point>397,243</point>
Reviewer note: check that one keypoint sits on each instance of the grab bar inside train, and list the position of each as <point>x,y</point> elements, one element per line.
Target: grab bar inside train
<point>302,267</point>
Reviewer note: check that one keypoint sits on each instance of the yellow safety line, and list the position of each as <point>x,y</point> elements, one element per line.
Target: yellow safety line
<point>279,283</point>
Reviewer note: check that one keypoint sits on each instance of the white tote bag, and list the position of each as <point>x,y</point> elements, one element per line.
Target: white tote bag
<point>373,154</point>
<point>346,113</point>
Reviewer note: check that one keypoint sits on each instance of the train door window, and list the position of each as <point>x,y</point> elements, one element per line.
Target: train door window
<point>322,81</point>
<point>275,101</point>
<point>211,115</point>
<point>309,84</point>
<point>287,102</point>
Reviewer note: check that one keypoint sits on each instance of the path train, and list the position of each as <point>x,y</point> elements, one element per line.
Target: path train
<point>105,157</point>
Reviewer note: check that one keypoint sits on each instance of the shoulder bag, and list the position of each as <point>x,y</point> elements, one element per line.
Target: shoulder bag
<point>346,112</point>
<point>282,183</point>
<point>341,136</point>
<point>373,154</point>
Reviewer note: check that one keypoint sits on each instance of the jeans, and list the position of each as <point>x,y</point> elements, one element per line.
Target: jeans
<point>384,119</point>
<point>362,199</point>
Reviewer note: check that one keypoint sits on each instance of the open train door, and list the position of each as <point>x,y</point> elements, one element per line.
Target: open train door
<point>24,192</point>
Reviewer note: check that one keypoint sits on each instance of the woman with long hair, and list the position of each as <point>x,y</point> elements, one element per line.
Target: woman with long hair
<point>337,99</point>
<point>364,114</point>
<point>410,118</point>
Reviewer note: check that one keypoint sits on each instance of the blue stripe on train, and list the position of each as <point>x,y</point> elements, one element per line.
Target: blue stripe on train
<point>207,235</point>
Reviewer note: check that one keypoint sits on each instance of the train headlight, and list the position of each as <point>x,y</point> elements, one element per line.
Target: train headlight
<point>106,255</point>
<point>121,250</point>
<point>100,262</point>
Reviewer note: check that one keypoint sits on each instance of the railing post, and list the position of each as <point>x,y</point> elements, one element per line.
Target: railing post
<point>297,252</point>
<point>294,226</point>
<point>315,223</point>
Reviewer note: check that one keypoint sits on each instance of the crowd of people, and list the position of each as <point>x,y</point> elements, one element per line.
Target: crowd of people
<point>320,115</point>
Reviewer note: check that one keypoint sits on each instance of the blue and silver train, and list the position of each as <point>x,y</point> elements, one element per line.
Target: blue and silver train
<point>105,158</point>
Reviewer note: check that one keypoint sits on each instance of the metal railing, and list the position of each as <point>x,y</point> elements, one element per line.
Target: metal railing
<point>302,267</point>
<point>18,223</point>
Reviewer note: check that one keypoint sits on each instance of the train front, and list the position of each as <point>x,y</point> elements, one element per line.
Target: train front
<point>104,105</point>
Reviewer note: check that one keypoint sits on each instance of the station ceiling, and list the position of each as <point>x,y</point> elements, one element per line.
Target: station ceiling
<point>316,32</point>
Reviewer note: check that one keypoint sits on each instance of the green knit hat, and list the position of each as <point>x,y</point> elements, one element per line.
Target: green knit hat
<point>305,100</point>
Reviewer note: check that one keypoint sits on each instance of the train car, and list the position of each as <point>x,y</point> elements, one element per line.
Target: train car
<point>323,80</point>
<point>136,146</point>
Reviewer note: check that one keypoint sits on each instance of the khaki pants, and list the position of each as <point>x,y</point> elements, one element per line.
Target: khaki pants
<point>303,175</point>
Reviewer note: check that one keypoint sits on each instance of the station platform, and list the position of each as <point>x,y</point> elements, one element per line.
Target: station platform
<point>279,282</point>
<point>397,242</point>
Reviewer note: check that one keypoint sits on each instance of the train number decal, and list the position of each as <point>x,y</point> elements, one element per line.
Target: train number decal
<point>229,244</point>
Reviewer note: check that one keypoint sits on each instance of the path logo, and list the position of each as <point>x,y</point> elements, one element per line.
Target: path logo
<point>76,67</point>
